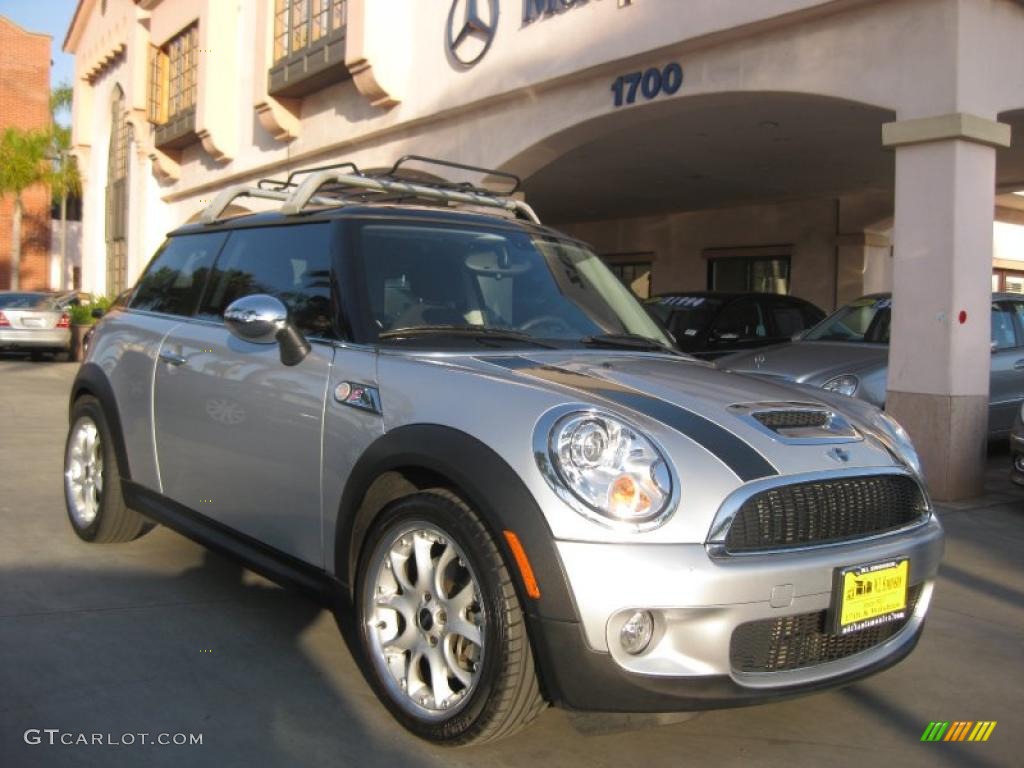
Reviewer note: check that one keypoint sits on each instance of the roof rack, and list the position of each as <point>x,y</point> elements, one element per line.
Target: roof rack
<point>345,183</point>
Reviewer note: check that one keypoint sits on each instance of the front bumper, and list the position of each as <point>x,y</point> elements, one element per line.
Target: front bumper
<point>698,602</point>
<point>35,338</point>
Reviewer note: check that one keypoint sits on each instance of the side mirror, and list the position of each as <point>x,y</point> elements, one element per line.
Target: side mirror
<point>799,335</point>
<point>98,312</point>
<point>263,319</point>
<point>993,346</point>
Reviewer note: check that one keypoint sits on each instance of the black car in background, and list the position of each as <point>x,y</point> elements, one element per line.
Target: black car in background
<point>709,324</point>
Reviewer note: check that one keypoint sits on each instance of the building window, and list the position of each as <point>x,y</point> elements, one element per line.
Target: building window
<point>309,46</point>
<point>633,270</point>
<point>758,274</point>
<point>173,85</point>
<point>1008,280</point>
<point>117,199</point>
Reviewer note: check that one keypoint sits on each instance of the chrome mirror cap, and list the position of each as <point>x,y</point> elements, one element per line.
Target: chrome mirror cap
<point>257,318</point>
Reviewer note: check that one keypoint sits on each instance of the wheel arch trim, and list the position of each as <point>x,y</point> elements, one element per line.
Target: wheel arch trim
<point>481,477</point>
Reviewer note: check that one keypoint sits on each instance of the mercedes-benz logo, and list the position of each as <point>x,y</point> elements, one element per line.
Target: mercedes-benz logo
<point>471,33</point>
<point>759,359</point>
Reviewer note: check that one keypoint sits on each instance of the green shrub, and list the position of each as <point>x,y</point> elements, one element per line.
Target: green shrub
<point>81,315</point>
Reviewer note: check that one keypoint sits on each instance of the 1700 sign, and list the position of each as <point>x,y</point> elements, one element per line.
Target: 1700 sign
<point>650,84</point>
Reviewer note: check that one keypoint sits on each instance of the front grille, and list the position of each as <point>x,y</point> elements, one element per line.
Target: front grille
<point>804,640</point>
<point>825,511</point>
<point>803,419</point>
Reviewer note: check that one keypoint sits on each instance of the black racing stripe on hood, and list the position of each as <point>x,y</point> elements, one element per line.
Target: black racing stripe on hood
<point>736,454</point>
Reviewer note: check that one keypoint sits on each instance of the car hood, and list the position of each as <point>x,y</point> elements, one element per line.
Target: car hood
<point>807,361</point>
<point>708,406</point>
<point>698,416</point>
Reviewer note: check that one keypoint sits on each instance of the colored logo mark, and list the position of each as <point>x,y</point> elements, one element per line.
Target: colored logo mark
<point>959,730</point>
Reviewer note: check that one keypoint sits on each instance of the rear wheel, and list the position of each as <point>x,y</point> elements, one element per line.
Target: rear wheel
<point>92,480</point>
<point>442,627</point>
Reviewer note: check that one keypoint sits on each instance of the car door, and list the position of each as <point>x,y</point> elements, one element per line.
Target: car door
<point>1007,377</point>
<point>238,434</point>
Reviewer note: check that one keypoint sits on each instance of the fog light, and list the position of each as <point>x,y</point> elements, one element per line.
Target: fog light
<point>636,633</point>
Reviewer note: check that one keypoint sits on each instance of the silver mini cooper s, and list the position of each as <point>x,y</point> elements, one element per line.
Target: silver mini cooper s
<point>463,433</point>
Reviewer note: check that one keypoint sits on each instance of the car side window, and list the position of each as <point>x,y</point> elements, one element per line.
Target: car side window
<point>1003,335</point>
<point>788,318</point>
<point>174,279</point>
<point>740,320</point>
<point>291,263</point>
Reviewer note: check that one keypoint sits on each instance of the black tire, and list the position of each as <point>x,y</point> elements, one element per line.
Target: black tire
<point>113,521</point>
<point>506,696</point>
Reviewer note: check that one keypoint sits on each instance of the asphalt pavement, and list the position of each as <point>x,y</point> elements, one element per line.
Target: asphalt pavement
<point>160,637</point>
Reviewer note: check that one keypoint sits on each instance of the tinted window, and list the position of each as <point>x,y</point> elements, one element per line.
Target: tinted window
<point>290,263</point>
<point>685,316</point>
<point>789,318</point>
<point>1002,328</point>
<point>175,277</point>
<point>740,320</point>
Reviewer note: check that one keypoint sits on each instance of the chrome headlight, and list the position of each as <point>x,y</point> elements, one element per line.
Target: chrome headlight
<point>606,470</point>
<point>897,440</point>
<point>846,384</point>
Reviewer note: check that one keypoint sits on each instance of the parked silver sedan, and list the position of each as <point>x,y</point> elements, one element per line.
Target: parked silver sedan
<point>34,322</point>
<point>848,353</point>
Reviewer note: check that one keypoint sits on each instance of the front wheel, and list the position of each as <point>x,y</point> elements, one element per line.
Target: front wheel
<point>442,627</point>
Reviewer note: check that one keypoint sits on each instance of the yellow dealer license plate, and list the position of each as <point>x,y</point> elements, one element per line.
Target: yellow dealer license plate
<point>868,595</point>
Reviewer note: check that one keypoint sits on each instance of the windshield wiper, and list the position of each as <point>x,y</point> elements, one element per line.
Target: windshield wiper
<point>479,332</point>
<point>628,341</point>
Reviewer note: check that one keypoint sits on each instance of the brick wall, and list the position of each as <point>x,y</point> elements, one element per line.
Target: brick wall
<point>25,104</point>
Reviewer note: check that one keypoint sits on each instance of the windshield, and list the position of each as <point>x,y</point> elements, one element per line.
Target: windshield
<point>685,316</point>
<point>26,301</point>
<point>513,287</point>
<point>864,320</point>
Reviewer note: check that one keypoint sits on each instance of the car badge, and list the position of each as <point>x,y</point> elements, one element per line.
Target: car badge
<point>358,396</point>
<point>759,359</point>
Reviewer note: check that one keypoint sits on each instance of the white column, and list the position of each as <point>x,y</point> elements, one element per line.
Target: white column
<point>939,357</point>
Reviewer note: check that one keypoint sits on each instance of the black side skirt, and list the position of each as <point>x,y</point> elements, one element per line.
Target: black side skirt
<point>278,566</point>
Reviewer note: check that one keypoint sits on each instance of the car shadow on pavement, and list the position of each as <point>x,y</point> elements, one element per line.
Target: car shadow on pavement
<point>211,650</point>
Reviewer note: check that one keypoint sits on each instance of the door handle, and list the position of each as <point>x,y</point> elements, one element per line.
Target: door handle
<point>1019,365</point>
<point>172,358</point>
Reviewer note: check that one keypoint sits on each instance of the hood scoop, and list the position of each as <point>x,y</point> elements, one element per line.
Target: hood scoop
<point>798,422</point>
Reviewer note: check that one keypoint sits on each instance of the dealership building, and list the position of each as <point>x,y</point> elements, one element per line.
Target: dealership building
<point>825,149</point>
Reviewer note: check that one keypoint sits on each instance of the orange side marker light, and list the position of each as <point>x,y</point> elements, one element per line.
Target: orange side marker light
<point>523,563</point>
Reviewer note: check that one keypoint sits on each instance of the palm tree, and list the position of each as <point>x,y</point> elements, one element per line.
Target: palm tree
<point>64,179</point>
<point>23,156</point>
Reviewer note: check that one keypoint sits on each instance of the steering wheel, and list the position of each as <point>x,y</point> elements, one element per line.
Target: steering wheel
<point>552,320</point>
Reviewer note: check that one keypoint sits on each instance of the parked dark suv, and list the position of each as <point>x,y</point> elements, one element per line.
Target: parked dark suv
<point>460,424</point>
<point>711,324</point>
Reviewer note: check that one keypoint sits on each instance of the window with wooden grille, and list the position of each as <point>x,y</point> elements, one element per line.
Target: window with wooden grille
<point>300,23</point>
<point>173,86</point>
<point>309,39</point>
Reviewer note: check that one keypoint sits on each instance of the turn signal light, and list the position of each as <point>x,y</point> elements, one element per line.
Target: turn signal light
<point>64,322</point>
<point>4,322</point>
